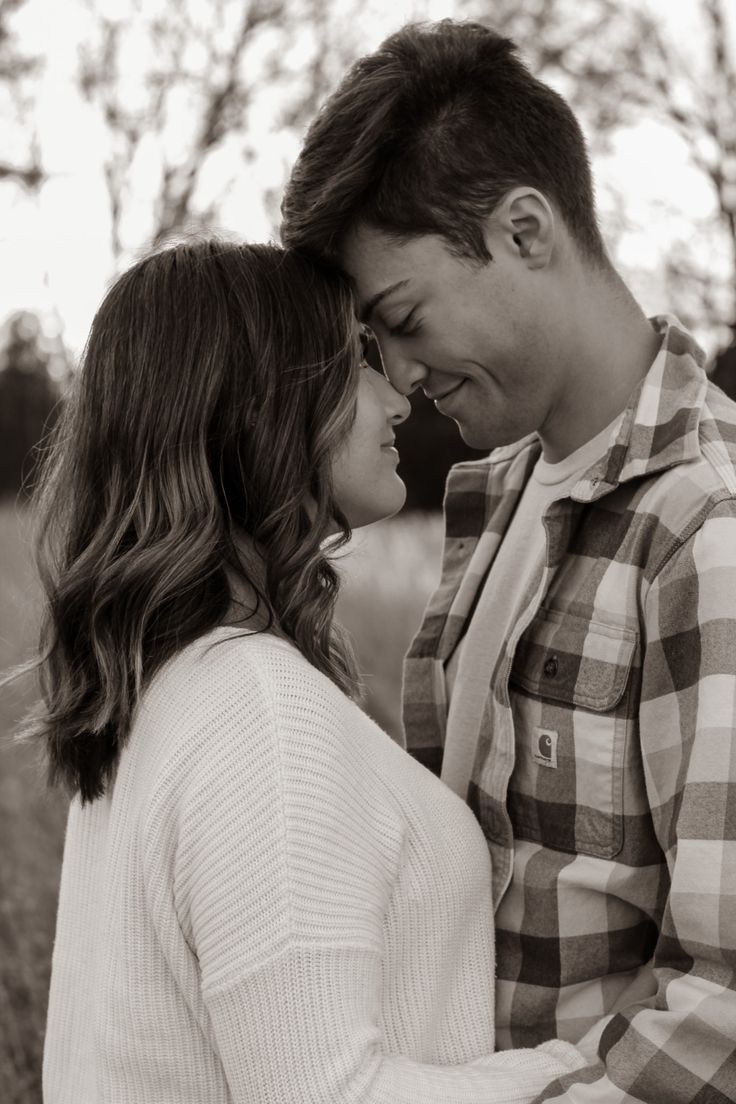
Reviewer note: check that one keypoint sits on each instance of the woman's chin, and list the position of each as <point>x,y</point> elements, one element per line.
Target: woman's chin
<point>384,506</point>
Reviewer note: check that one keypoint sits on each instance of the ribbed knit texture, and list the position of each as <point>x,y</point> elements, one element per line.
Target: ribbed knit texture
<point>275,905</point>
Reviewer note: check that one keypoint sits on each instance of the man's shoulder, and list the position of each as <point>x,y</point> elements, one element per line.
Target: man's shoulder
<point>717,433</point>
<point>684,495</point>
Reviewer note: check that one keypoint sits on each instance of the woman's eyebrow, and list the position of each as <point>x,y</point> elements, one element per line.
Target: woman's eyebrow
<point>372,303</point>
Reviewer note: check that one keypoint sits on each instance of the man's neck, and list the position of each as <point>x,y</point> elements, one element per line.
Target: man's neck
<point>610,346</point>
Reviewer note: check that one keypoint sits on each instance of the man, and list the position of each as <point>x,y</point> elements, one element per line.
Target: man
<point>575,675</point>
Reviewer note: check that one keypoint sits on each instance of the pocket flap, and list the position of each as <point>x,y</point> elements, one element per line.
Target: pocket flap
<point>565,658</point>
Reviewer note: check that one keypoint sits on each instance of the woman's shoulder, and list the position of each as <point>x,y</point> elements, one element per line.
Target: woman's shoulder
<point>191,698</point>
<point>237,714</point>
<point>226,656</point>
<point>236,660</point>
<point>235,687</point>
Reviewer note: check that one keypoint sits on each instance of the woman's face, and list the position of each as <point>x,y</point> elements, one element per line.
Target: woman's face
<point>366,484</point>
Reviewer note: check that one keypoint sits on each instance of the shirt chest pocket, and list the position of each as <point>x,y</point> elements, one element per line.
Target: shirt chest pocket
<point>571,702</point>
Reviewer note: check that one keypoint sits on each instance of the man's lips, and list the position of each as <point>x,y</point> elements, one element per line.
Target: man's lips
<point>435,396</point>
<point>438,396</point>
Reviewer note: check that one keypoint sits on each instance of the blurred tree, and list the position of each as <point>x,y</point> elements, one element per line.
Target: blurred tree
<point>619,63</point>
<point>224,64</point>
<point>33,368</point>
<point>21,160</point>
<point>208,63</point>
<point>695,93</point>
<point>724,367</point>
<point>691,85</point>
<point>219,62</point>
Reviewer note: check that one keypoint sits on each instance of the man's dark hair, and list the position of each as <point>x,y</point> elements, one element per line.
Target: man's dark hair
<point>426,136</point>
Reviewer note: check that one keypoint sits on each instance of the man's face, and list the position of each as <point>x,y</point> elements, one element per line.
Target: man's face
<point>474,336</point>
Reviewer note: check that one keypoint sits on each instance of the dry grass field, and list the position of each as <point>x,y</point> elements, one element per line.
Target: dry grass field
<point>388,572</point>
<point>32,833</point>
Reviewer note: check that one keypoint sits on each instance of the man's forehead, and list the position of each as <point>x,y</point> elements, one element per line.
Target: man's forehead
<point>367,250</point>
<point>379,264</point>
<point>368,305</point>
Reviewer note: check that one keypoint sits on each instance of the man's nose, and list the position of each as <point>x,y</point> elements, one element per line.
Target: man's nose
<point>405,373</point>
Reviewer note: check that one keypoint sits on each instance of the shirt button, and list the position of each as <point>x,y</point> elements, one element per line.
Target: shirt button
<point>550,667</point>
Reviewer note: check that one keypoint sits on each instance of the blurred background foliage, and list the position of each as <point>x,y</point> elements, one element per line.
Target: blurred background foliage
<point>193,111</point>
<point>127,122</point>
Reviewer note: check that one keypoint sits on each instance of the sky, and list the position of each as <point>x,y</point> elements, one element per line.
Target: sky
<point>55,245</point>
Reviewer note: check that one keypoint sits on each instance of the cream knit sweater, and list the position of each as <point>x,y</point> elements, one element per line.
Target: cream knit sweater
<point>275,905</point>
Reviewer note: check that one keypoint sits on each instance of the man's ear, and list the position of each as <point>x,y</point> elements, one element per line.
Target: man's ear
<point>526,222</point>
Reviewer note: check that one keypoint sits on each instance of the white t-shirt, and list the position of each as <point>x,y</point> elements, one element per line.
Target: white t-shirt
<point>511,583</point>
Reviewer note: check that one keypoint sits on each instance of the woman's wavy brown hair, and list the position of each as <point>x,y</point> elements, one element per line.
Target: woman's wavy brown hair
<point>217,382</point>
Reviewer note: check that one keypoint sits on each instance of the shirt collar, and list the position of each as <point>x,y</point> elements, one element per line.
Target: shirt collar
<point>660,425</point>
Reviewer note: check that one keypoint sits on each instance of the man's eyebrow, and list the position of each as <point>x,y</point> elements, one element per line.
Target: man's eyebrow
<point>371,305</point>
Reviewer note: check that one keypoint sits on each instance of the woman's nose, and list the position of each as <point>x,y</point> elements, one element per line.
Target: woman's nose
<point>404,409</point>
<point>398,407</point>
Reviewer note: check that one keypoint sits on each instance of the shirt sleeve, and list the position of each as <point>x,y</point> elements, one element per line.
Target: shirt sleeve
<point>289,943</point>
<point>679,1046</point>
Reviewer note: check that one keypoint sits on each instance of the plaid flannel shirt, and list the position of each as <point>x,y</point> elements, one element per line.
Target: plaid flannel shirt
<point>605,776</point>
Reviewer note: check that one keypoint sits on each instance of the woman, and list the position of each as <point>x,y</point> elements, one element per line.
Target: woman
<point>263,898</point>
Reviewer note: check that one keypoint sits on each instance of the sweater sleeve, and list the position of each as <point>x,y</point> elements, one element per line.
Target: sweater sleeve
<point>304,1029</point>
<point>286,861</point>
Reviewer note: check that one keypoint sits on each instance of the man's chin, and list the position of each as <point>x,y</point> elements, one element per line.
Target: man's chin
<point>477,438</point>
<point>484,438</point>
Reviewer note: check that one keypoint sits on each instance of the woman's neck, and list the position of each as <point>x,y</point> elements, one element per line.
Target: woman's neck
<point>249,608</point>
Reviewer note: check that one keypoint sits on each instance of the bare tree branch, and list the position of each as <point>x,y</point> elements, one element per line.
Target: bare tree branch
<point>180,181</point>
<point>30,177</point>
<point>15,68</point>
<point>618,62</point>
<point>212,67</point>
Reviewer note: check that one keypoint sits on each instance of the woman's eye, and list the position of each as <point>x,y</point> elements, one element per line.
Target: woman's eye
<point>404,328</point>
<point>370,351</point>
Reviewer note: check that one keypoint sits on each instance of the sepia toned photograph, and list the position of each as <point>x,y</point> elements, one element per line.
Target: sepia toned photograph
<point>368,552</point>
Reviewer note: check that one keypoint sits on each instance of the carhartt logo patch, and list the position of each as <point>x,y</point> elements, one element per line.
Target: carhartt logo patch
<point>544,747</point>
